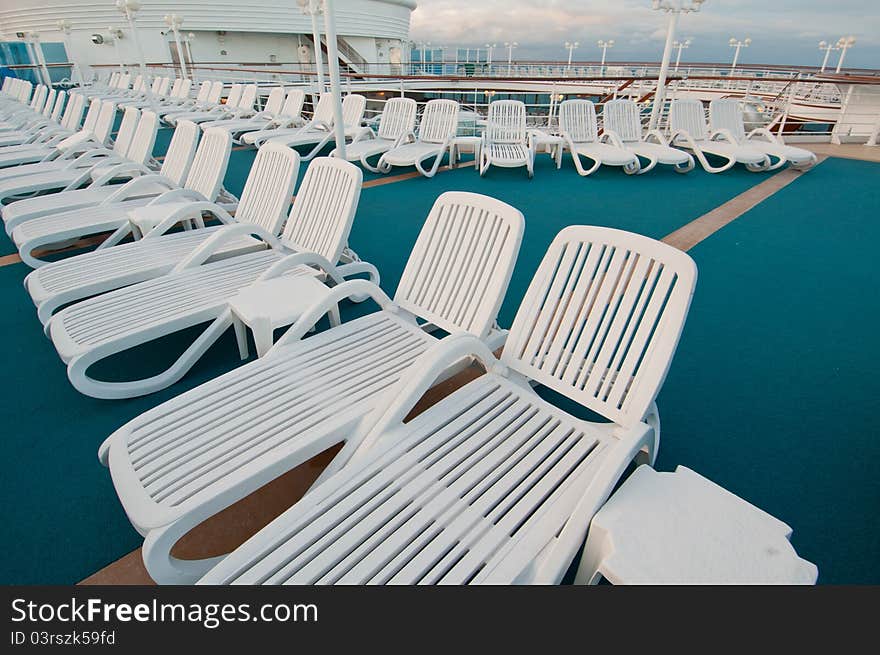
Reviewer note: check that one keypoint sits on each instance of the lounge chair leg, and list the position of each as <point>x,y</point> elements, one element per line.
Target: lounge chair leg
<point>262,330</point>
<point>167,569</point>
<point>241,339</point>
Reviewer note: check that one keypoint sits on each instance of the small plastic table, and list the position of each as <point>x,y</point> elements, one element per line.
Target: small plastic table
<point>471,143</point>
<point>552,144</point>
<point>267,305</point>
<point>680,528</point>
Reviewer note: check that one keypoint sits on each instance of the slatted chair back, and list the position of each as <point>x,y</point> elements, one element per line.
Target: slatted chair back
<point>39,98</point>
<point>602,318</point>
<point>269,187</point>
<point>127,126</point>
<point>210,162</point>
<point>124,82</point>
<point>182,91</point>
<point>398,118</point>
<point>293,104</point>
<point>8,82</point>
<point>624,119</point>
<point>726,114</point>
<point>58,106</point>
<point>24,92</point>
<point>91,119</point>
<point>234,96</point>
<point>275,101</point>
<point>324,208</point>
<point>175,88</point>
<point>439,121</point>
<point>577,121</point>
<point>113,80</point>
<point>164,86</point>
<point>141,148</point>
<point>461,264</point>
<point>104,123</point>
<point>204,91</point>
<point>216,92</point>
<point>49,103</point>
<point>247,98</point>
<point>506,122</point>
<point>180,153</point>
<point>156,86</point>
<point>353,107</point>
<point>73,111</point>
<point>323,110</point>
<point>689,116</point>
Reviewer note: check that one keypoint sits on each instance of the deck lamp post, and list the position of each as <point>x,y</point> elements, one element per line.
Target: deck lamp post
<point>115,36</point>
<point>489,48</point>
<point>174,22</point>
<point>129,8</point>
<point>312,8</point>
<point>424,66</point>
<point>681,45</point>
<point>335,85</point>
<point>64,26</point>
<point>604,45</point>
<point>571,48</point>
<point>674,8</point>
<point>827,47</point>
<point>187,42</point>
<point>844,43</point>
<point>737,45</point>
<point>510,45</point>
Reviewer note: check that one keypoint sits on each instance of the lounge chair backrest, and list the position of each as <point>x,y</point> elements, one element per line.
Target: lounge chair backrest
<point>141,148</point>
<point>601,319</point>
<point>39,98</point>
<point>689,116</point>
<point>210,162</point>
<point>439,121</point>
<point>506,122</point>
<point>624,119</point>
<point>234,96</point>
<point>726,114</point>
<point>461,264</point>
<point>114,80</point>
<point>156,87</point>
<point>104,124</point>
<point>577,121</point>
<point>73,112</point>
<point>216,92</point>
<point>182,90</point>
<point>126,130</point>
<point>323,111</point>
<point>269,187</point>
<point>180,153</point>
<point>49,105</point>
<point>324,208</point>
<point>24,93</point>
<point>247,98</point>
<point>175,88</point>
<point>95,105</point>
<point>125,80</point>
<point>164,85</point>
<point>353,107</point>
<point>293,104</point>
<point>60,97</point>
<point>398,118</point>
<point>204,91</point>
<point>275,101</point>
<point>7,82</point>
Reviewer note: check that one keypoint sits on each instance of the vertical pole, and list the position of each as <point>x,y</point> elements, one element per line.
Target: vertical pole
<point>678,57</point>
<point>735,57</point>
<point>180,54</point>
<point>843,48</point>
<point>664,71</point>
<point>137,41</point>
<point>335,88</point>
<point>316,38</point>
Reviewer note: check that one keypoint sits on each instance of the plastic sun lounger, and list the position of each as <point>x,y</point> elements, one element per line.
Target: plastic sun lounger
<point>580,132</point>
<point>397,121</point>
<point>133,145</point>
<point>726,114</point>
<point>193,456</point>
<point>197,290</point>
<point>100,271</point>
<point>271,112</point>
<point>175,165</point>
<point>16,115</point>
<point>203,183</point>
<point>493,484</point>
<point>65,112</point>
<point>289,116</point>
<point>437,128</point>
<point>322,119</point>
<point>505,141</point>
<point>208,98</point>
<point>623,119</point>
<point>318,135</point>
<point>35,125</point>
<point>240,103</point>
<point>687,124</point>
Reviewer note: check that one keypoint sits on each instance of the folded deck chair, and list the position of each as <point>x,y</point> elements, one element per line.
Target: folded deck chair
<point>726,114</point>
<point>193,456</point>
<point>322,118</point>
<point>174,167</point>
<point>493,484</point>
<point>505,141</point>
<point>688,129</point>
<point>318,136</point>
<point>580,132</point>
<point>623,119</point>
<point>397,122</point>
<point>438,126</point>
<point>72,279</point>
<point>203,182</point>
<point>197,290</point>
<point>134,144</point>
<point>240,103</point>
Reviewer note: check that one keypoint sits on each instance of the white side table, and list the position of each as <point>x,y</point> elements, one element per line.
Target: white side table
<point>680,528</point>
<point>552,144</point>
<point>466,143</point>
<point>267,305</point>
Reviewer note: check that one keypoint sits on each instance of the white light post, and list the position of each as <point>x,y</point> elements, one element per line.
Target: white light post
<point>174,22</point>
<point>571,48</point>
<point>313,8</point>
<point>827,47</point>
<point>510,45</point>
<point>115,37</point>
<point>39,59</point>
<point>844,43</point>
<point>335,86</point>
<point>674,8</point>
<point>64,26</point>
<point>489,48</point>
<point>681,45</point>
<point>737,45</point>
<point>605,45</point>
<point>188,44</point>
<point>130,8</point>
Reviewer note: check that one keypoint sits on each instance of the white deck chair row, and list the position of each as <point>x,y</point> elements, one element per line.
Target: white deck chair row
<point>437,128</point>
<point>239,104</point>
<point>505,141</point>
<point>208,97</point>
<point>282,109</point>
<point>52,125</point>
<point>396,124</point>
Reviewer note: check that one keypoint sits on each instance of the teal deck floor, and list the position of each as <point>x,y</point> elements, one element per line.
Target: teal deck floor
<point>767,395</point>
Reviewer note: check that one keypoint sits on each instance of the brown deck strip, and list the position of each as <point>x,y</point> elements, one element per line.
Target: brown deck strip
<point>844,150</point>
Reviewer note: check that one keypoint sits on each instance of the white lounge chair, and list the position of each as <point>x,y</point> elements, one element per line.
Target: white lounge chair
<point>175,166</point>
<point>203,183</point>
<point>493,484</point>
<point>288,120</point>
<point>319,135</point>
<point>54,126</point>
<point>207,98</point>
<point>580,132</point>
<point>178,96</point>
<point>322,119</point>
<point>197,290</point>
<point>726,114</point>
<point>688,129</point>
<point>260,120</point>
<point>623,119</point>
<point>437,128</point>
<point>239,103</point>
<point>33,127</point>
<point>15,115</point>
<point>505,141</point>
<point>396,124</point>
<point>193,456</point>
<point>89,274</point>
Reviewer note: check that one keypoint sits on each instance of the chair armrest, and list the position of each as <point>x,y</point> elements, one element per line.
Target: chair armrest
<point>763,132</point>
<point>610,135</point>
<point>225,234</point>
<point>133,187</point>
<point>657,136</point>
<point>125,168</point>
<point>181,213</point>
<point>723,135</point>
<point>290,262</point>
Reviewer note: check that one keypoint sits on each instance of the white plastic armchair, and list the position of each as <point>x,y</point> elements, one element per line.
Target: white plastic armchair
<point>579,128</point>
<point>622,118</point>
<point>438,127</point>
<point>505,141</point>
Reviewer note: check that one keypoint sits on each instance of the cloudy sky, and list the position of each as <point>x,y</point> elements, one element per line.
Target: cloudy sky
<point>782,31</point>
